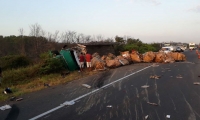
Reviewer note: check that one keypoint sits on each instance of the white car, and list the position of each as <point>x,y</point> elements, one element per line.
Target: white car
<point>166,49</point>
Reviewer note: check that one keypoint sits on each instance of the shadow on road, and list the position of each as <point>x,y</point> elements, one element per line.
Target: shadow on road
<point>14,113</point>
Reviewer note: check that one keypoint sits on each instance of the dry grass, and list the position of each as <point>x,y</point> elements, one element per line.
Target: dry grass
<point>37,83</point>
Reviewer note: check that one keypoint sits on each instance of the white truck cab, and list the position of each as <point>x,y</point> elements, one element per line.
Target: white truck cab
<point>192,46</point>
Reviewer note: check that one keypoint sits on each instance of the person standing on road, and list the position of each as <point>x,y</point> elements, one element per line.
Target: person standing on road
<point>88,58</point>
<point>81,60</point>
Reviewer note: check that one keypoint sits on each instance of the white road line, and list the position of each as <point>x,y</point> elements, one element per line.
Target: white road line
<point>80,97</point>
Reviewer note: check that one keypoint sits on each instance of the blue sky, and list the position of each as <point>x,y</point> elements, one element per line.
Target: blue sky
<point>148,20</point>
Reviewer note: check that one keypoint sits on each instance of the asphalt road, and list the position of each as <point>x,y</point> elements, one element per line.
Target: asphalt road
<point>117,95</point>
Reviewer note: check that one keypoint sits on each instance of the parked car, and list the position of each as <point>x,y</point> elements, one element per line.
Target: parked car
<point>178,49</point>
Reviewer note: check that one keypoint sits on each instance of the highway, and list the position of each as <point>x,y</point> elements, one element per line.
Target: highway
<point>124,93</point>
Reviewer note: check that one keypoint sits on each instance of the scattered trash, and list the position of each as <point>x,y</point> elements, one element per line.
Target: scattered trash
<point>109,106</point>
<point>145,86</point>
<point>5,107</point>
<point>179,76</point>
<point>196,83</point>
<point>155,65</point>
<point>12,98</point>
<point>167,116</point>
<point>154,77</point>
<point>7,91</point>
<point>19,99</point>
<point>69,103</point>
<point>152,104</point>
<point>64,73</point>
<point>87,86</point>
<point>47,85</point>
<point>146,117</point>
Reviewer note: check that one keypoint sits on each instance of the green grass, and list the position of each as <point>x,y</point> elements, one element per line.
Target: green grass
<point>35,83</point>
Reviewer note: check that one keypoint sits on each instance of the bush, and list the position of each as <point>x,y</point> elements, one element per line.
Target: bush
<point>14,61</point>
<point>52,65</point>
<point>45,56</point>
<point>21,75</point>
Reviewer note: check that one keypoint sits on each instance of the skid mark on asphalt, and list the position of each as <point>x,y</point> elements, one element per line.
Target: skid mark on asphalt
<point>173,103</point>
<point>157,95</point>
<point>112,75</point>
<point>196,113</point>
<point>141,107</point>
<point>192,114</point>
<point>137,94</point>
<point>120,82</point>
<point>136,112</point>
<point>157,115</point>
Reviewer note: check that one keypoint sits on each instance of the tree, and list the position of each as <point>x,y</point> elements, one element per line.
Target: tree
<point>100,38</point>
<point>88,38</point>
<point>36,30</point>
<point>119,39</point>
<point>21,31</point>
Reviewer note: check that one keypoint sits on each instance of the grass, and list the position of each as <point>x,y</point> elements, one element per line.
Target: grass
<point>37,83</point>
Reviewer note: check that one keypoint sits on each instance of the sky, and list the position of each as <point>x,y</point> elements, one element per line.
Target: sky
<point>148,20</point>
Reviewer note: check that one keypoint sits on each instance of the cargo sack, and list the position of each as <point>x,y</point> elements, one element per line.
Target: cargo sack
<point>135,57</point>
<point>126,55</point>
<point>117,62</point>
<point>122,60</point>
<point>169,58</point>
<point>96,55</point>
<point>110,63</point>
<point>97,63</point>
<point>160,57</point>
<point>100,66</point>
<point>110,56</point>
<point>178,56</point>
<point>104,57</point>
<point>149,57</point>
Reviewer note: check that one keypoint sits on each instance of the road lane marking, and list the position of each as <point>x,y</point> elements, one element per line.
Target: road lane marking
<point>92,92</point>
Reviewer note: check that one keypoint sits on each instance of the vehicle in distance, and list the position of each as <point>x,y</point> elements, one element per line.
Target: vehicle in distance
<point>178,49</point>
<point>192,46</point>
<point>166,49</point>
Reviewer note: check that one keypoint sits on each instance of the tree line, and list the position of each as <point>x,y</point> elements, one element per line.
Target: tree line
<point>40,41</point>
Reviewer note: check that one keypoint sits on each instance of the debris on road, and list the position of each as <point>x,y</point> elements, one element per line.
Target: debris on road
<point>87,86</point>
<point>145,86</point>
<point>109,106</point>
<point>179,76</point>
<point>47,85</point>
<point>146,117</point>
<point>68,103</point>
<point>155,65</point>
<point>154,77</point>
<point>5,107</point>
<point>196,83</point>
<point>152,103</point>
<point>19,99</point>
<point>12,98</point>
<point>167,116</point>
